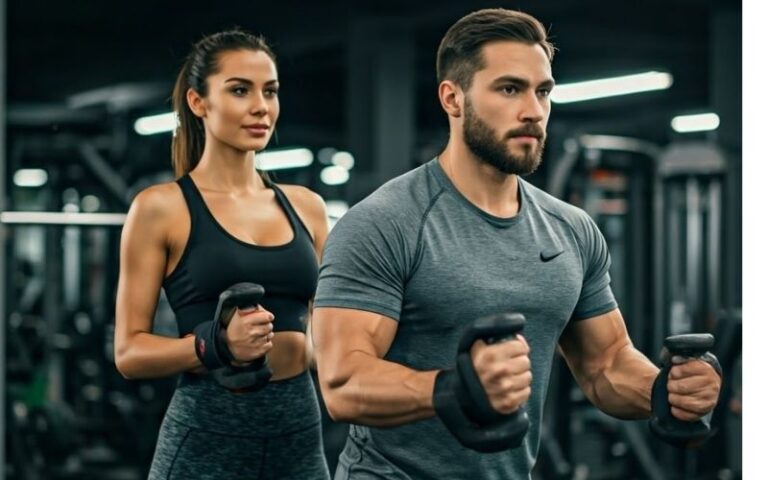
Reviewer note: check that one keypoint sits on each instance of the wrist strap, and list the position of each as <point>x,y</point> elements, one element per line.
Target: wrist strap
<point>207,346</point>
<point>221,344</point>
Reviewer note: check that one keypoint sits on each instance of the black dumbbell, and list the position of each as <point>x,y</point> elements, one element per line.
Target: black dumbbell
<point>256,374</point>
<point>463,405</point>
<point>662,422</point>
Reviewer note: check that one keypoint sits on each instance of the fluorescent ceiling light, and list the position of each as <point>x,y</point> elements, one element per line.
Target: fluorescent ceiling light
<point>30,177</point>
<point>165,122</point>
<point>334,175</point>
<point>610,87</point>
<point>696,123</point>
<point>282,159</point>
<point>343,159</point>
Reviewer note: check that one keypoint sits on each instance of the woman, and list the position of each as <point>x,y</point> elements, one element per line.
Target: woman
<point>222,223</point>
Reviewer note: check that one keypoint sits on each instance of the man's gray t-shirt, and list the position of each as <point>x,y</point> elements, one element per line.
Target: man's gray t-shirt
<point>418,251</point>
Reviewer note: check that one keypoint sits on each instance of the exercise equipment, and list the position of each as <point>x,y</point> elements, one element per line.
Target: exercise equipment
<point>256,374</point>
<point>662,423</point>
<point>661,210</point>
<point>460,400</point>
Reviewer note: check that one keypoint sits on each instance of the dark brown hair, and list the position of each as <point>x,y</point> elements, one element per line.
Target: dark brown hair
<point>202,62</point>
<point>459,55</point>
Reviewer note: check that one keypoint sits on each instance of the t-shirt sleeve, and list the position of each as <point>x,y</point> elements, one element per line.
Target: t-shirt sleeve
<point>365,263</point>
<point>596,295</point>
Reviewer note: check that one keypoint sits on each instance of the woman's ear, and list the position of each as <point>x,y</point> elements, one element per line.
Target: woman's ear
<point>196,103</point>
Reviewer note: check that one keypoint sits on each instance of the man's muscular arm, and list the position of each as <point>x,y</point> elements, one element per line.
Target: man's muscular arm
<point>617,378</point>
<point>358,385</point>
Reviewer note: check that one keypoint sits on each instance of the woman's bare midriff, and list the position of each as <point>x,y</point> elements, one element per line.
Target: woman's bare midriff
<point>288,356</point>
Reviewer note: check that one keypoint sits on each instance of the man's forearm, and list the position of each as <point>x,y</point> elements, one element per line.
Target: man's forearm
<point>623,389</point>
<point>377,392</point>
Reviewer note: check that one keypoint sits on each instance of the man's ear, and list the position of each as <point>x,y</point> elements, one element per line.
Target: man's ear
<point>451,98</point>
<point>196,103</point>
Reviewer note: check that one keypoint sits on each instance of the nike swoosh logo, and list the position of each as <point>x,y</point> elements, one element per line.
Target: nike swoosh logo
<point>546,257</point>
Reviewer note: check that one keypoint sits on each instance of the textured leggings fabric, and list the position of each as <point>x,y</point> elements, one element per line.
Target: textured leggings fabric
<point>210,433</point>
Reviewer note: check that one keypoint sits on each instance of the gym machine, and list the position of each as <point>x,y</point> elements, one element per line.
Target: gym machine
<point>660,212</point>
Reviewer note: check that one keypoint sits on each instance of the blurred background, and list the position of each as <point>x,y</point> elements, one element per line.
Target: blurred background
<point>655,159</point>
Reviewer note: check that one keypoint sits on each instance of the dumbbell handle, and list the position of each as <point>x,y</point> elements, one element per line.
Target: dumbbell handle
<point>238,296</point>
<point>491,329</point>
<point>691,345</point>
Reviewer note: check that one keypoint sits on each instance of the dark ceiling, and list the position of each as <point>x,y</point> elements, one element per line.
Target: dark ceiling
<point>57,50</point>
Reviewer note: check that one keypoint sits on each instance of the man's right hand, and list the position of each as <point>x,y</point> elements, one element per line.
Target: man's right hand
<point>249,334</point>
<point>504,369</point>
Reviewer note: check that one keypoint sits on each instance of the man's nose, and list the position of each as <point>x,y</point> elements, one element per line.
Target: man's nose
<point>532,110</point>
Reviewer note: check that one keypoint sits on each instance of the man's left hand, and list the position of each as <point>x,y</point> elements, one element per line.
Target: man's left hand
<point>694,387</point>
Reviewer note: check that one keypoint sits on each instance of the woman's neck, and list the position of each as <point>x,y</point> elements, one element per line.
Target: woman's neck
<point>223,168</point>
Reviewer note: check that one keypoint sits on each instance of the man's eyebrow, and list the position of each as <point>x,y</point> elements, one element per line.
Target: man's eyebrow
<point>522,82</point>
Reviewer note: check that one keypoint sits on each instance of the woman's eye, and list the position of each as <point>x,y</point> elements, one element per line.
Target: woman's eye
<point>240,91</point>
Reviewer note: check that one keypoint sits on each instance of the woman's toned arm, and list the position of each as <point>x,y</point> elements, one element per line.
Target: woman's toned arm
<point>144,248</point>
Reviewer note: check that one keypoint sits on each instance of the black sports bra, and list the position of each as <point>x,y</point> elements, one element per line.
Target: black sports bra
<point>213,260</point>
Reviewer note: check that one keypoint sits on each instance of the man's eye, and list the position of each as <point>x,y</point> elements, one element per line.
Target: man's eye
<point>509,90</point>
<point>544,92</point>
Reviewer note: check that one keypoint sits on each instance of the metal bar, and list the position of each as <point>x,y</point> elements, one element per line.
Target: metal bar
<point>63,218</point>
<point>624,144</point>
<point>676,306</point>
<point>660,278</point>
<point>714,293</point>
<point>3,236</point>
<point>643,454</point>
<point>637,243</point>
<point>694,252</point>
<point>71,265</point>
<point>101,168</point>
<point>54,316</point>
<point>563,167</point>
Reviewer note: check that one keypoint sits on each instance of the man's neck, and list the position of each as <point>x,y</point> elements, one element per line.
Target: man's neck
<point>486,187</point>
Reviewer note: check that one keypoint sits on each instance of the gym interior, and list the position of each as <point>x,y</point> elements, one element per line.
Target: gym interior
<point>86,124</point>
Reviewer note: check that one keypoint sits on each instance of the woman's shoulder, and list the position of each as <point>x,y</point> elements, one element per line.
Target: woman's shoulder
<point>309,206</point>
<point>157,201</point>
<point>304,200</point>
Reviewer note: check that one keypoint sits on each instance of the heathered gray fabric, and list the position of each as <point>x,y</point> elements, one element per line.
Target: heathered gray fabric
<point>211,433</point>
<point>419,252</point>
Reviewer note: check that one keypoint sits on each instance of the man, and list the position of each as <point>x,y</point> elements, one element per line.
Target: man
<point>461,237</point>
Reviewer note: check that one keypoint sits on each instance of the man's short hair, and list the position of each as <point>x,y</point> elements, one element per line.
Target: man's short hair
<point>459,55</point>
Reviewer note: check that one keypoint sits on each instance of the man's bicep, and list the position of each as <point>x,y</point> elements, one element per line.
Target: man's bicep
<point>350,329</point>
<point>341,333</point>
<point>589,345</point>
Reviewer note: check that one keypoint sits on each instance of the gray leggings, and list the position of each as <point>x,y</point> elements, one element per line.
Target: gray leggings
<point>210,433</point>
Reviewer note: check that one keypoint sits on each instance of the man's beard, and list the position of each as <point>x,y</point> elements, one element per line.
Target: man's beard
<point>482,142</point>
